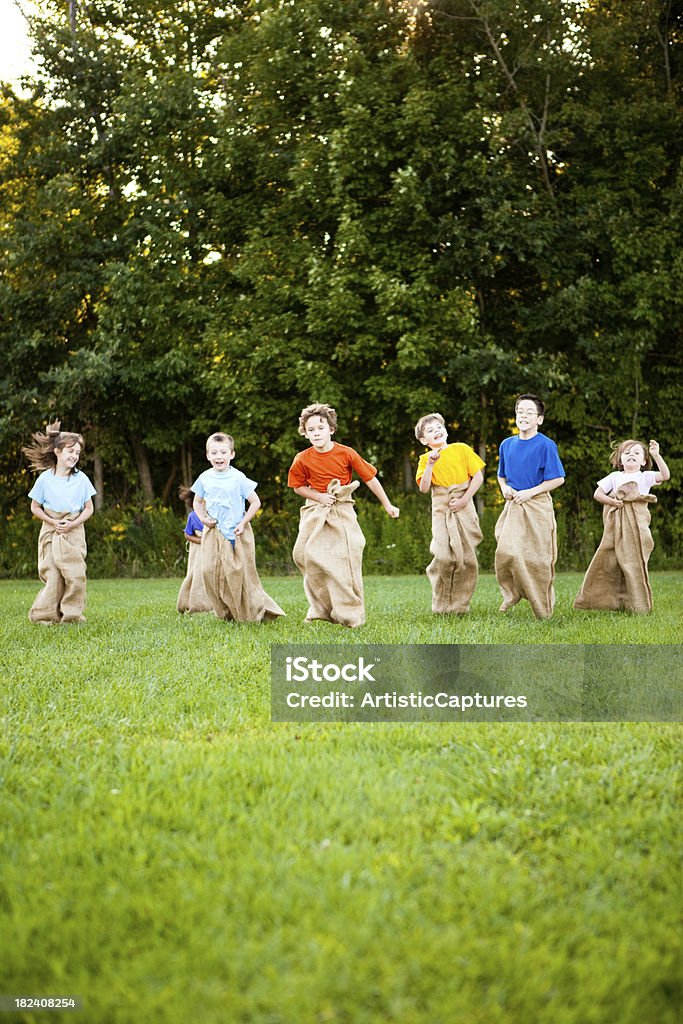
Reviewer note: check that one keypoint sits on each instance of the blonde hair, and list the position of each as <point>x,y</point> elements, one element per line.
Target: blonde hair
<point>618,450</point>
<point>41,453</point>
<point>424,420</point>
<point>318,409</point>
<point>221,439</point>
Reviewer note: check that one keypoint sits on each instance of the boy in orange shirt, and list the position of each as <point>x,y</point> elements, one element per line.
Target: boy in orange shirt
<point>454,474</point>
<point>329,547</point>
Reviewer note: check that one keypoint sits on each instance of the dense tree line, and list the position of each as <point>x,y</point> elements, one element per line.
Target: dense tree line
<point>216,213</point>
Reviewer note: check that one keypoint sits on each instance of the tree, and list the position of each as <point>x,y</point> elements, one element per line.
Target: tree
<point>216,215</point>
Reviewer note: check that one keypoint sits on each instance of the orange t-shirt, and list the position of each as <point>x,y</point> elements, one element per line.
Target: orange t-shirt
<point>315,469</point>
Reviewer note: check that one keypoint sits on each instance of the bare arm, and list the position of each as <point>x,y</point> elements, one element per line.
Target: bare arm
<point>426,478</point>
<point>322,496</point>
<point>199,505</point>
<point>375,486</point>
<point>663,473</point>
<point>458,501</point>
<point>507,492</point>
<point>254,503</point>
<point>543,488</point>
<point>63,525</point>
<point>606,499</point>
<point>86,512</point>
<point>37,511</point>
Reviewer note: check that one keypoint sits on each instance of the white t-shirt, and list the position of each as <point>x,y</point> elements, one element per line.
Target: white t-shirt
<point>646,481</point>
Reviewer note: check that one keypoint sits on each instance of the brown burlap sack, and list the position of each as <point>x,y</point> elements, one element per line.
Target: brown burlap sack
<point>230,578</point>
<point>617,577</point>
<point>455,535</point>
<point>192,596</point>
<point>526,552</point>
<point>61,568</point>
<point>329,554</point>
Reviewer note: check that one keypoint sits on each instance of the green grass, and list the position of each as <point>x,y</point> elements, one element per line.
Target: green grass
<point>172,856</point>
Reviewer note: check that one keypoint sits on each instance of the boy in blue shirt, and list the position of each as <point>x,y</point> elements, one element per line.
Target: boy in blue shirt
<point>529,469</point>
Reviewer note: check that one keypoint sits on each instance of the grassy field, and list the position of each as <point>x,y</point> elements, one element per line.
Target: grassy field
<point>170,855</point>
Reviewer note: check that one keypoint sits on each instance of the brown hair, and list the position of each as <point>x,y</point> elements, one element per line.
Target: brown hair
<point>538,402</point>
<point>221,439</point>
<point>424,420</point>
<point>318,409</point>
<point>41,453</point>
<point>619,449</point>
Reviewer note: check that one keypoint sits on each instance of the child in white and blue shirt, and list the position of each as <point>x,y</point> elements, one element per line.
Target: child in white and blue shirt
<point>226,502</point>
<point>62,499</point>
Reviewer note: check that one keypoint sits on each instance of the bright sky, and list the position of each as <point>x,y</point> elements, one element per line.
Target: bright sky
<point>14,46</point>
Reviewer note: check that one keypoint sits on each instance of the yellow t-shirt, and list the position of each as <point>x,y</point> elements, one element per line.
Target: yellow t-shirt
<point>457,465</point>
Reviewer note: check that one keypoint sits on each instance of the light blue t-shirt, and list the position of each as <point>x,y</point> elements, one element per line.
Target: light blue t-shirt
<point>225,495</point>
<point>62,493</point>
<point>528,463</point>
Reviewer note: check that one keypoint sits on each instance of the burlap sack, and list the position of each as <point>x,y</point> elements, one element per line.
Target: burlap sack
<point>192,596</point>
<point>526,552</point>
<point>61,568</point>
<point>455,535</point>
<point>329,554</point>
<point>617,577</point>
<point>230,578</point>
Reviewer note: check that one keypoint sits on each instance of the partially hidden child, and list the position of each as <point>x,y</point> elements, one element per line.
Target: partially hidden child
<point>62,499</point>
<point>526,535</point>
<point>329,548</point>
<point>192,596</point>
<point>454,473</point>
<point>226,502</point>
<point>617,578</point>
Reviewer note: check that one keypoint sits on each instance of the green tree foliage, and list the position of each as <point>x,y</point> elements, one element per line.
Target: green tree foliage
<point>216,214</point>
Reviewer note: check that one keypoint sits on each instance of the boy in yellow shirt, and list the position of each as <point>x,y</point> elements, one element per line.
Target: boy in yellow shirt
<point>454,474</point>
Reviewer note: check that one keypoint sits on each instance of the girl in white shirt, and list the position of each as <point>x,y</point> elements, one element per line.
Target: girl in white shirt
<point>632,463</point>
<point>617,578</point>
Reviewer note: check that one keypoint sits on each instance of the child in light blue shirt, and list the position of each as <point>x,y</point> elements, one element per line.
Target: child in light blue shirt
<point>62,499</point>
<point>224,494</point>
<point>226,502</point>
<point>69,494</point>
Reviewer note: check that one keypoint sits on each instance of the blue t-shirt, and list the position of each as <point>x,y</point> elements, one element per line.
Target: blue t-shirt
<point>193,524</point>
<point>225,495</point>
<point>62,493</point>
<point>528,463</point>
